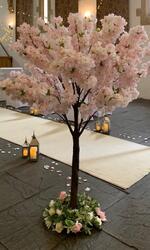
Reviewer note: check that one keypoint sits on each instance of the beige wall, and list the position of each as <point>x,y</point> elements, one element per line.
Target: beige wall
<point>144,86</point>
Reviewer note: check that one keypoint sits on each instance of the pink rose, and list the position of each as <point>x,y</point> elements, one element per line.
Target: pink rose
<point>77,227</point>
<point>62,195</point>
<point>101,214</point>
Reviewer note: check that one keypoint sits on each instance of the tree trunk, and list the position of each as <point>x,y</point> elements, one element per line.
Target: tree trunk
<point>75,171</point>
<point>75,159</point>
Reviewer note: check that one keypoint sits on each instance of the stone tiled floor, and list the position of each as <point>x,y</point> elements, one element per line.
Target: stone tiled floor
<point>25,189</point>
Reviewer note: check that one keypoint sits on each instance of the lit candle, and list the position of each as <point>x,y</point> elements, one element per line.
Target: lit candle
<point>36,112</point>
<point>105,127</point>
<point>98,127</point>
<point>25,152</point>
<point>25,149</point>
<point>34,149</point>
<point>33,153</point>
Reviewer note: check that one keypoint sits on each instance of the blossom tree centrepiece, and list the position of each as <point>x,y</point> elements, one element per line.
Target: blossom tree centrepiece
<point>81,67</point>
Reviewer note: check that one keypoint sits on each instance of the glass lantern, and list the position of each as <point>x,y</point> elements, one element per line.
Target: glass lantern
<point>25,149</point>
<point>105,129</point>
<point>34,149</point>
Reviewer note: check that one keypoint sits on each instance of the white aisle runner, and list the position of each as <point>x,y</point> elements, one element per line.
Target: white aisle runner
<point>117,161</point>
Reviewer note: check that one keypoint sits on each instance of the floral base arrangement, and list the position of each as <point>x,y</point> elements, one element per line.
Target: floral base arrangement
<point>59,217</point>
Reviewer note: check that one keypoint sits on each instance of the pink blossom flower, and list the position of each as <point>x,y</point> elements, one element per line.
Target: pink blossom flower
<point>101,214</point>
<point>40,22</point>
<point>62,195</point>
<point>76,228</point>
<point>109,62</point>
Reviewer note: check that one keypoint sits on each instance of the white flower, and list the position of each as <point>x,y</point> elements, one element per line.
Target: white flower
<point>45,213</point>
<point>52,202</point>
<point>59,227</point>
<point>48,223</point>
<point>91,215</point>
<point>98,220</point>
<point>52,211</point>
<point>58,211</point>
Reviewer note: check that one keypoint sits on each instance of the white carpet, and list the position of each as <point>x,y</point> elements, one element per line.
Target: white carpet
<point>117,161</point>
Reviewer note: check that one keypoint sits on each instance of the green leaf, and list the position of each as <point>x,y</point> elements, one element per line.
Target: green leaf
<point>69,223</point>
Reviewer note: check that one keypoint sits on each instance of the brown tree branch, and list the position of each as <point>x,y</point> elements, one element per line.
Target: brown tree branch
<point>86,122</point>
<point>87,93</point>
<point>68,124</point>
<point>80,124</point>
<point>60,116</point>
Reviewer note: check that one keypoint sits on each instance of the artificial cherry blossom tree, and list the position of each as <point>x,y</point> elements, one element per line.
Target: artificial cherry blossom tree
<point>80,67</point>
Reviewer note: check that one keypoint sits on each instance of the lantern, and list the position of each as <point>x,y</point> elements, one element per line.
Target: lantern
<point>34,111</point>
<point>31,111</point>
<point>97,126</point>
<point>34,149</point>
<point>106,126</point>
<point>25,149</point>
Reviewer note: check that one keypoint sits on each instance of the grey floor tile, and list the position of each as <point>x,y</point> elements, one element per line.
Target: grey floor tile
<point>13,191</point>
<point>97,241</point>
<point>129,219</point>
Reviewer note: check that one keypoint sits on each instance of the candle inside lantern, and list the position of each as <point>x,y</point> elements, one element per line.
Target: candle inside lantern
<point>98,127</point>
<point>25,152</point>
<point>34,111</point>
<point>25,149</point>
<point>106,126</point>
<point>33,153</point>
<point>34,149</point>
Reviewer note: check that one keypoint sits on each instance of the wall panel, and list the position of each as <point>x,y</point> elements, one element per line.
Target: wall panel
<point>24,12</point>
<point>118,7</point>
<point>64,7</point>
